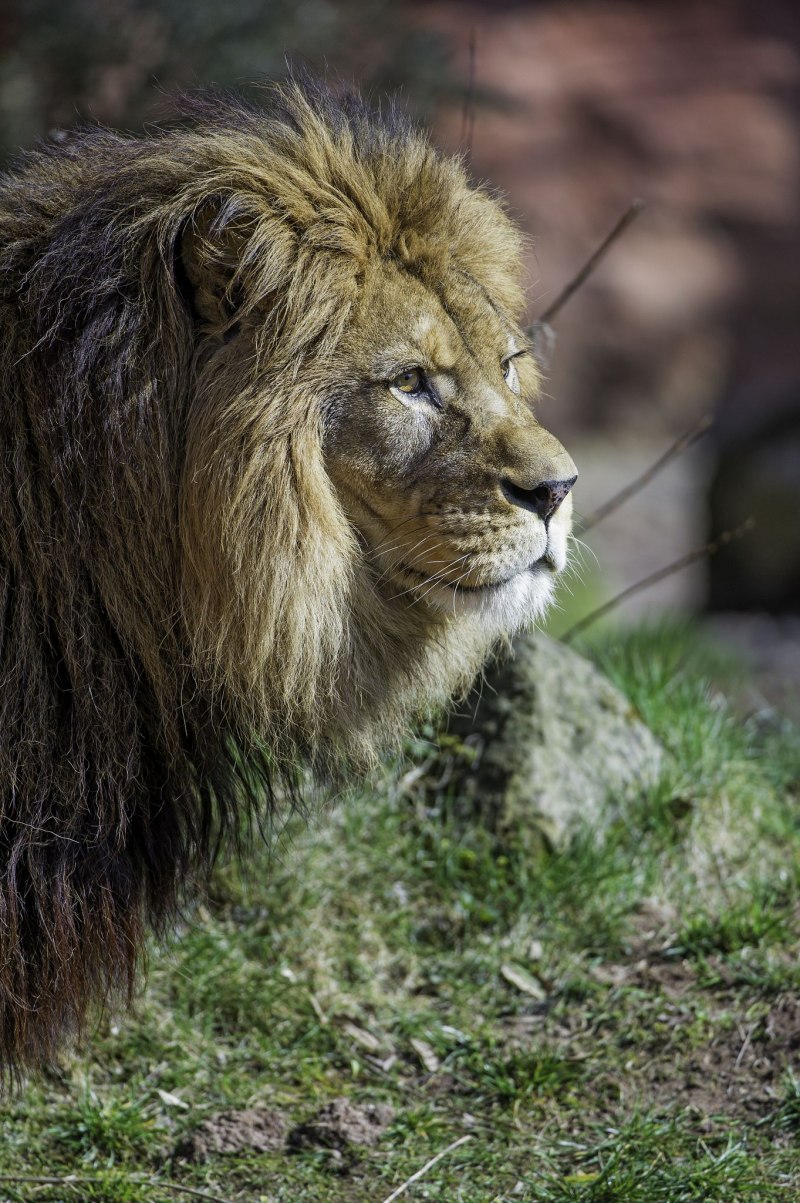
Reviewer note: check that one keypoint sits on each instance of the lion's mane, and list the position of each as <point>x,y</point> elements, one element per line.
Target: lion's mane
<point>185,610</point>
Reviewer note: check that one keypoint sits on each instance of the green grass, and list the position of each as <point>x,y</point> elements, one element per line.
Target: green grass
<point>643,1047</point>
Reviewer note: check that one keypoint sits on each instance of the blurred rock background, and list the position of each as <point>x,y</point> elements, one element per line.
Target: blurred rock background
<point>570,108</point>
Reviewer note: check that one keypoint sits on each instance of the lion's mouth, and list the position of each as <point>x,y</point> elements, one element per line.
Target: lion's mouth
<point>544,566</point>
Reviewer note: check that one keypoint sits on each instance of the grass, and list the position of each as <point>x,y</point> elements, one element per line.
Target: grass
<point>613,1021</point>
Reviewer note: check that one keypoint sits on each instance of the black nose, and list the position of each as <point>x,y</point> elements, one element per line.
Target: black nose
<point>543,499</point>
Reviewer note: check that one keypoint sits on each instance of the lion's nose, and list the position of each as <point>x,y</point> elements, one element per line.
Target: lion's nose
<point>542,499</point>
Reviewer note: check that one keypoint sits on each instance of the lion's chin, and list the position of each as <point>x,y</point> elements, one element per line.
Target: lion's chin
<point>502,608</point>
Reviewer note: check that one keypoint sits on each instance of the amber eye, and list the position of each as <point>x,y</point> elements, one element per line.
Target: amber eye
<point>510,374</point>
<point>408,382</point>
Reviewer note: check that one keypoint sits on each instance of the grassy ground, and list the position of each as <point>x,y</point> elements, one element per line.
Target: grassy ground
<point>613,1022</point>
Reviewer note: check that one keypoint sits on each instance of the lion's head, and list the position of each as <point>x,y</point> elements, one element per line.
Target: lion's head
<point>459,495</point>
<point>382,444</point>
<point>273,484</point>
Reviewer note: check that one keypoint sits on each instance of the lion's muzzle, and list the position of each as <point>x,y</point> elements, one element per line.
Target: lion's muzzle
<point>543,499</point>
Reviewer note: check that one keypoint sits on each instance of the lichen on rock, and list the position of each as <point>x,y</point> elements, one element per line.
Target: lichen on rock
<point>553,744</point>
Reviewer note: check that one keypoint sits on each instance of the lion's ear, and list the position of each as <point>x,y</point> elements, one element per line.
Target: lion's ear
<point>208,260</point>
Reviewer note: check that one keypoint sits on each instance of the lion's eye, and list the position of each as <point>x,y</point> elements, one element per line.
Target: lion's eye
<point>510,374</point>
<point>409,382</point>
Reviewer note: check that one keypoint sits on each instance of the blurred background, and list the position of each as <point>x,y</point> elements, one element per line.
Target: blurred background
<point>570,109</point>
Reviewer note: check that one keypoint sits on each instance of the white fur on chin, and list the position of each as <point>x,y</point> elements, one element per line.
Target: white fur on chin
<point>516,604</point>
<point>503,609</point>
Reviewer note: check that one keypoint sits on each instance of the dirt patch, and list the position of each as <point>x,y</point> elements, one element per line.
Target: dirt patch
<point>340,1124</point>
<point>781,1028</point>
<point>740,1071</point>
<point>255,1131</point>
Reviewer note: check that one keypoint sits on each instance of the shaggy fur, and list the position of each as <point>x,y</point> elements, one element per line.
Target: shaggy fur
<point>187,611</point>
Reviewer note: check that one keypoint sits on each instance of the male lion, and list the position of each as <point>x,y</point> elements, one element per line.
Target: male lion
<point>272,483</point>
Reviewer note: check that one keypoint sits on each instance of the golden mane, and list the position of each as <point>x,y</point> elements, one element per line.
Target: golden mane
<point>186,610</point>
<point>309,203</point>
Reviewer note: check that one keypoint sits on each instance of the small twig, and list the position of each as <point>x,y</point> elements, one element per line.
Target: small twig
<point>682,444</point>
<point>541,333</point>
<point>468,111</point>
<point>630,214</point>
<point>700,553</point>
<point>428,1165</point>
<point>75,1180</point>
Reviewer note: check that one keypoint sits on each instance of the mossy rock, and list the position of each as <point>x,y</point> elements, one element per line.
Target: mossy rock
<point>552,744</point>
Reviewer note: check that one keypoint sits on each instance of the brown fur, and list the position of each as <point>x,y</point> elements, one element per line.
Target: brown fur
<point>219,527</point>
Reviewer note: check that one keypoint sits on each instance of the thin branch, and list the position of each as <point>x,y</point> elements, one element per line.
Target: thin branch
<point>682,444</point>
<point>428,1165</point>
<point>699,553</point>
<point>75,1180</point>
<point>468,111</point>
<point>630,214</point>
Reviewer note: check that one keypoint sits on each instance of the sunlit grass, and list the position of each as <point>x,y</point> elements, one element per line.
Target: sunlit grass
<point>547,1005</point>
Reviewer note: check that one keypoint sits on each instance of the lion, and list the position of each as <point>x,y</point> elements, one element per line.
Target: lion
<point>272,486</point>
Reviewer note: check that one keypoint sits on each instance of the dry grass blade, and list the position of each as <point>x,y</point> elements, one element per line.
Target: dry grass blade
<point>428,1166</point>
<point>699,553</point>
<point>682,444</point>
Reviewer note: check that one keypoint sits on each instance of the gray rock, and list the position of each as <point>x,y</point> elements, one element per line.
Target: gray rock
<point>553,743</point>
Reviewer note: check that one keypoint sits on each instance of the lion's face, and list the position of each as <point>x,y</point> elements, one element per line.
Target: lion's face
<point>460,496</point>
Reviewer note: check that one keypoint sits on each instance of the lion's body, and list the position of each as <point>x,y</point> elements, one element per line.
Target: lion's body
<point>199,493</point>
